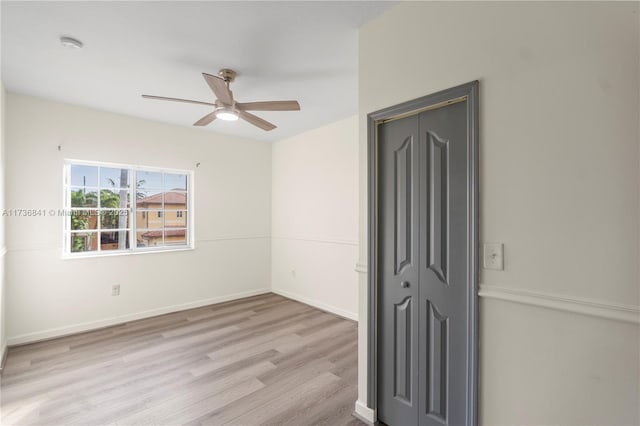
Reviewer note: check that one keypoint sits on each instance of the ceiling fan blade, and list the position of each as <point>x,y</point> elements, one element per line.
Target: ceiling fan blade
<point>206,119</point>
<point>269,106</point>
<point>256,121</point>
<point>188,101</point>
<point>219,87</point>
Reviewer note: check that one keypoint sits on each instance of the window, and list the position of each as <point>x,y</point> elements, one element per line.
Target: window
<point>124,209</point>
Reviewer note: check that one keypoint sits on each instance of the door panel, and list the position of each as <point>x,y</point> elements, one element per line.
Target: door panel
<point>437,354</point>
<point>398,358</point>
<point>402,351</point>
<point>403,199</point>
<point>443,278</point>
<point>423,246</point>
<point>437,185</point>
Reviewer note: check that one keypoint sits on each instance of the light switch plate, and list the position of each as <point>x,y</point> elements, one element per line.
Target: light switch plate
<point>494,256</point>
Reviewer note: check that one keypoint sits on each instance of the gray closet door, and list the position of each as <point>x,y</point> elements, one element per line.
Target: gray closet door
<point>423,268</point>
<point>398,251</point>
<point>443,266</point>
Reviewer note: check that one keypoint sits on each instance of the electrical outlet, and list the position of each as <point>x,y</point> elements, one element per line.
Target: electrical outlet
<point>115,290</point>
<point>293,273</point>
<point>494,256</point>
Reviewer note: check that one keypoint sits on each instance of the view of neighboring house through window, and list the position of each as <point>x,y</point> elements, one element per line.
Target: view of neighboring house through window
<point>125,208</point>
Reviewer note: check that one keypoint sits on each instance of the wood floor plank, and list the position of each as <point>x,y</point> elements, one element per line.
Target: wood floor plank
<point>220,400</point>
<point>282,385</point>
<point>258,360</point>
<point>327,405</point>
<point>169,344</point>
<point>160,409</point>
<point>285,400</point>
<point>221,359</point>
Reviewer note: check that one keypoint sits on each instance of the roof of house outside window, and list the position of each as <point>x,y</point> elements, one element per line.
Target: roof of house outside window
<point>170,197</point>
<point>167,233</point>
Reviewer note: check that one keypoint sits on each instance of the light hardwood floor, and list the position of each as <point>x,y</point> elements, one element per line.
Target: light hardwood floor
<point>259,360</point>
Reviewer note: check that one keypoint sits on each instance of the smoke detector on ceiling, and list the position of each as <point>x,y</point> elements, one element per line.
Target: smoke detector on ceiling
<point>71,43</point>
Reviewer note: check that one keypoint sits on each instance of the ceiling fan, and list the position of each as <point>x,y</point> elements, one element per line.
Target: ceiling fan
<point>226,108</point>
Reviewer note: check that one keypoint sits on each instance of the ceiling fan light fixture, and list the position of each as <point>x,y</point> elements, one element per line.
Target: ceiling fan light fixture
<point>226,114</point>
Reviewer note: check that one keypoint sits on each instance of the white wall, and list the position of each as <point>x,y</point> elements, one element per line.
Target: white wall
<point>3,249</point>
<point>315,217</point>
<point>50,296</point>
<point>559,181</point>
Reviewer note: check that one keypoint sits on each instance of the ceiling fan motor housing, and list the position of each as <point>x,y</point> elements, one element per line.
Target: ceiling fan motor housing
<point>227,75</point>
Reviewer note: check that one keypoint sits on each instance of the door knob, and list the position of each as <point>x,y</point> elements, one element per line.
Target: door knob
<point>404,284</point>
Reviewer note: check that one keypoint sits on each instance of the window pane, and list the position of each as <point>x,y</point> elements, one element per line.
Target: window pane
<point>84,176</point>
<point>101,199</point>
<point>114,199</point>
<point>149,238</point>
<point>175,218</point>
<point>114,177</point>
<point>175,200</point>
<point>81,197</point>
<point>84,219</point>
<point>148,219</point>
<point>149,199</point>
<point>141,219</point>
<point>175,237</point>
<point>116,240</point>
<point>173,182</point>
<point>83,242</point>
<point>114,219</point>
<point>148,180</point>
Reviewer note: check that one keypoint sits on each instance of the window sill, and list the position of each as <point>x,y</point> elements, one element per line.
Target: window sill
<point>91,255</point>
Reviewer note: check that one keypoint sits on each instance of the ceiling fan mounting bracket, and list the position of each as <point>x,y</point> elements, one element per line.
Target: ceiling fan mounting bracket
<point>227,75</point>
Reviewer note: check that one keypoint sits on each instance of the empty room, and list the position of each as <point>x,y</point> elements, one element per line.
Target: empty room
<point>320,213</point>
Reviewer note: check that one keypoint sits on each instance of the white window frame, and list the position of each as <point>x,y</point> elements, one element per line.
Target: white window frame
<point>133,249</point>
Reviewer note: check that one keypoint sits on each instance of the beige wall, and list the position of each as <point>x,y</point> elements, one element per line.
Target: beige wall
<point>315,217</point>
<point>559,180</point>
<point>51,296</point>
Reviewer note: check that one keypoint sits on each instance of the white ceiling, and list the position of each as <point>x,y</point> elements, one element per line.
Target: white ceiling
<point>281,50</point>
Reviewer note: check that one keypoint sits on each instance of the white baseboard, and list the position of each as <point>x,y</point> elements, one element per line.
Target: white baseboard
<point>93,325</point>
<point>612,311</point>
<point>325,307</point>
<point>365,413</point>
